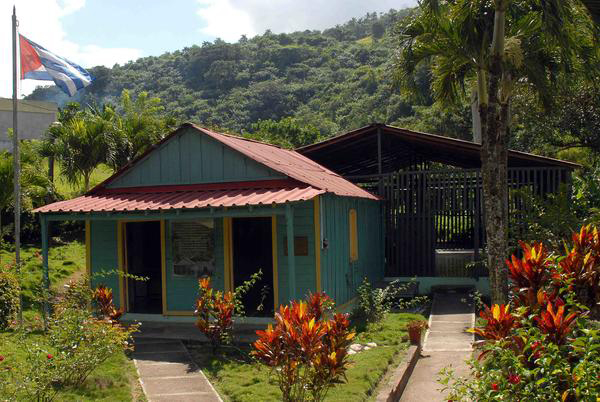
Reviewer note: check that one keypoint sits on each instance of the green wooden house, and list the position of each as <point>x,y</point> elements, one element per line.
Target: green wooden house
<point>201,204</point>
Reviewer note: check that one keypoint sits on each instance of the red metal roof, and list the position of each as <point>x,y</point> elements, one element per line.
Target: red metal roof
<point>186,197</point>
<point>292,164</point>
<point>288,162</point>
<point>307,179</point>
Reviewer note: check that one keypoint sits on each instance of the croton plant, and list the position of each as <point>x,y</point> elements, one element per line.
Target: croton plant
<point>545,345</point>
<point>306,349</point>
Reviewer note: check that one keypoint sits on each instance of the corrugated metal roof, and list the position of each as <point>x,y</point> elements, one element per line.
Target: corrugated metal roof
<point>186,197</point>
<point>288,162</point>
<point>357,151</point>
<point>292,164</point>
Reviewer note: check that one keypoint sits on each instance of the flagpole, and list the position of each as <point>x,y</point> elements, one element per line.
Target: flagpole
<point>16,162</point>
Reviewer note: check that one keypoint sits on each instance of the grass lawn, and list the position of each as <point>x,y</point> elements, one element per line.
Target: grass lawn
<point>64,261</point>
<point>114,380</point>
<point>238,379</point>
<point>68,190</point>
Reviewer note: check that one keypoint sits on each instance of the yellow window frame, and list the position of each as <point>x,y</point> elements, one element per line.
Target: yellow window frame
<point>353,229</point>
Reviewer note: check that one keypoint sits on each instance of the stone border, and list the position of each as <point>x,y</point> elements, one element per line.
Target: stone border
<point>392,391</point>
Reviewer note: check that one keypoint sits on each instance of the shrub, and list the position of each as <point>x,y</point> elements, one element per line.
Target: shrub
<point>82,342</point>
<point>374,303</point>
<point>306,350</point>
<point>214,310</point>
<point>371,303</point>
<point>499,323</point>
<point>9,296</point>
<point>75,345</point>
<point>77,294</point>
<point>30,379</point>
<point>103,298</point>
<point>240,291</point>
<point>545,347</point>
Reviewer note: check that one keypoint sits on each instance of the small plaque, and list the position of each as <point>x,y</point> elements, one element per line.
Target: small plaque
<point>300,246</point>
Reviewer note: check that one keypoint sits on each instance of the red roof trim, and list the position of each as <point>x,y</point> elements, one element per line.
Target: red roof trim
<point>240,185</point>
<point>126,201</point>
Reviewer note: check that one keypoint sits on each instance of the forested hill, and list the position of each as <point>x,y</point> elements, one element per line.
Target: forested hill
<point>335,80</point>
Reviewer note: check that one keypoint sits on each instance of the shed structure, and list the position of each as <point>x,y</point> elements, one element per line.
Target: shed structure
<point>431,188</point>
<point>200,204</point>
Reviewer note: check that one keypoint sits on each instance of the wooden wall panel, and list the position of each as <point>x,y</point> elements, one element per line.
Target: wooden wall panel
<point>104,255</point>
<point>193,158</point>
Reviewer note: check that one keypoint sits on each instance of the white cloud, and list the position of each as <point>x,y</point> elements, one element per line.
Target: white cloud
<point>225,21</point>
<point>40,21</point>
<point>229,19</point>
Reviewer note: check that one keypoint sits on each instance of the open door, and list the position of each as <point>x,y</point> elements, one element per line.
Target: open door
<point>253,250</point>
<point>144,258</point>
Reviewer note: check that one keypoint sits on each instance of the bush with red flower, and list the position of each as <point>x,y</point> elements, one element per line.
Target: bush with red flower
<point>214,310</point>
<point>9,295</point>
<point>75,344</point>
<point>307,348</point>
<point>545,345</point>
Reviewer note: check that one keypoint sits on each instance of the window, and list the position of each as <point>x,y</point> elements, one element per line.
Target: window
<point>352,224</point>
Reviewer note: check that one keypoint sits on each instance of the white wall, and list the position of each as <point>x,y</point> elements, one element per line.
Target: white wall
<point>33,120</point>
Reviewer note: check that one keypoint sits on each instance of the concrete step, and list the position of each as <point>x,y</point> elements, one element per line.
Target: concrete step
<point>189,397</point>
<point>161,358</point>
<point>175,385</point>
<point>149,371</point>
<point>167,346</point>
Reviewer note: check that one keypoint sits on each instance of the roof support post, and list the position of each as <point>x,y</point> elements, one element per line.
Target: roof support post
<point>46,277</point>
<point>289,223</point>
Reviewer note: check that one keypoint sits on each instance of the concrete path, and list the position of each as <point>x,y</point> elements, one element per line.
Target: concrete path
<point>446,344</point>
<point>167,372</point>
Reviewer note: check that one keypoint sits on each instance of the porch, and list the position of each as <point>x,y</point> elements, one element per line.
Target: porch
<point>171,250</point>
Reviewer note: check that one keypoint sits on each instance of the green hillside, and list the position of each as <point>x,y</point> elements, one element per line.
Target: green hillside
<point>335,80</point>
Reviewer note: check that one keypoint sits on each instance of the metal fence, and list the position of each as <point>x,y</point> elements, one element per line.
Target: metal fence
<point>440,210</point>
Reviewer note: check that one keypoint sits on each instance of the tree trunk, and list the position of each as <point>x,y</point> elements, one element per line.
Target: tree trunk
<point>51,169</point>
<point>494,166</point>
<point>476,116</point>
<point>86,181</point>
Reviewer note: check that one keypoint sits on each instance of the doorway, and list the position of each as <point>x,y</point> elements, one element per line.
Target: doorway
<point>253,250</point>
<point>144,258</point>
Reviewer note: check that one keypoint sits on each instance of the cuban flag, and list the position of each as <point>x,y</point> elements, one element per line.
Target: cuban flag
<point>38,63</point>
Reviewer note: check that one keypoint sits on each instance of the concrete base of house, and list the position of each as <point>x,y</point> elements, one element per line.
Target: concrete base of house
<point>426,283</point>
<point>160,318</point>
<point>183,327</point>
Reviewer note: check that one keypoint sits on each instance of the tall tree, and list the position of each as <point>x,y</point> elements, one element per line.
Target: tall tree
<point>83,143</point>
<point>287,132</point>
<point>494,47</point>
<point>65,115</point>
<point>139,125</point>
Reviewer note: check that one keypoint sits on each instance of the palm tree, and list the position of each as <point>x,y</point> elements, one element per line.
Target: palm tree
<point>82,144</point>
<point>65,115</point>
<point>138,126</point>
<point>493,47</point>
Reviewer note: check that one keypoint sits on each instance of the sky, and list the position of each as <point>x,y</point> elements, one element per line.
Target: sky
<point>109,32</point>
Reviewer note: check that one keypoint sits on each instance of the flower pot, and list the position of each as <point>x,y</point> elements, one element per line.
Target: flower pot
<point>414,334</point>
